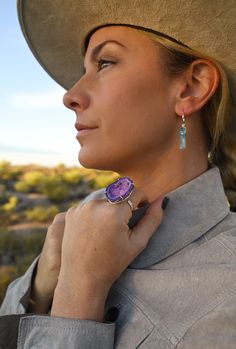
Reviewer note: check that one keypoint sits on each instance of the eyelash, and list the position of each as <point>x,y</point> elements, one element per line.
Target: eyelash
<point>102,61</point>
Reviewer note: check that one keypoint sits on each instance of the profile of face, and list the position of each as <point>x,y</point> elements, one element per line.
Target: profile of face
<point>128,99</point>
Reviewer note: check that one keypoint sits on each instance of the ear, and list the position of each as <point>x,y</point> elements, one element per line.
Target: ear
<point>196,86</point>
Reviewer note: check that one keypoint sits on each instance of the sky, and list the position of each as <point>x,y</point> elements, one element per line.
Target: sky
<point>35,126</point>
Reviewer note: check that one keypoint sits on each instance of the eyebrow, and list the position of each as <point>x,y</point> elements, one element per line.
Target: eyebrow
<point>95,51</point>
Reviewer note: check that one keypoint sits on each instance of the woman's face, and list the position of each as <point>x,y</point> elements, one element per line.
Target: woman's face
<point>127,97</point>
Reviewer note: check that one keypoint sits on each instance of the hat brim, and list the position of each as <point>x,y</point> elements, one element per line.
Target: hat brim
<point>56,30</point>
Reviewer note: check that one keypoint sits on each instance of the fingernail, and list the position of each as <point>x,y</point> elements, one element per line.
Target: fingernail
<point>165,202</point>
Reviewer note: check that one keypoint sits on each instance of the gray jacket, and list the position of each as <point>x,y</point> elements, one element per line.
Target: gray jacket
<point>180,292</point>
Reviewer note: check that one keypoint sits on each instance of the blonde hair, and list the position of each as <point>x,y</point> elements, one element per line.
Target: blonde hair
<point>217,113</point>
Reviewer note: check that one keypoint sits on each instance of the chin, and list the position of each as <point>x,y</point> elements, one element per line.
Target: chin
<point>95,162</point>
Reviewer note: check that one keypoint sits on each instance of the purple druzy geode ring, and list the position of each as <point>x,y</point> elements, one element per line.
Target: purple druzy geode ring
<point>120,190</point>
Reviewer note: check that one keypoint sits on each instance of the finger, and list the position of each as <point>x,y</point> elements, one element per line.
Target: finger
<point>142,232</point>
<point>138,197</point>
<point>56,229</point>
<point>59,218</point>
<point>75,208</point>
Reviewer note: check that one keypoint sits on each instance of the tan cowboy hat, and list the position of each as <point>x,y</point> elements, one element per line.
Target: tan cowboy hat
<point>56,29</point>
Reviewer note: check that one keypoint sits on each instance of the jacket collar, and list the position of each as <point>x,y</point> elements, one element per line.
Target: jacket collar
<point>193,209</point>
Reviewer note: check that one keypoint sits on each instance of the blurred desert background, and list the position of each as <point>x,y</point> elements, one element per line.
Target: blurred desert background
<point>39,170</point>
<point>30,197</point>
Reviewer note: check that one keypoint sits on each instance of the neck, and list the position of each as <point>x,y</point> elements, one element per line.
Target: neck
<point>169,172</point>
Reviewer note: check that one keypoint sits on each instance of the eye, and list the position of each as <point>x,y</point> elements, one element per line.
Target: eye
<point>103,63</point>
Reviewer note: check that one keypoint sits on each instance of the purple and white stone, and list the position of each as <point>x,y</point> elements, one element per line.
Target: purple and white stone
<point>119,190</point>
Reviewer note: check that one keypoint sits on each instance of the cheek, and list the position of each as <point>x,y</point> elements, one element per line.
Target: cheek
<point>133,105</point>
<point>133,118</point>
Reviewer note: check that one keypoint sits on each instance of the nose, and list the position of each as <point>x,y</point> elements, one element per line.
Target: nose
<point>76,98</point>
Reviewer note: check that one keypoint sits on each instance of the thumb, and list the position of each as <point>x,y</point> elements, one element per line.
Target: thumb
<point>146,227</point>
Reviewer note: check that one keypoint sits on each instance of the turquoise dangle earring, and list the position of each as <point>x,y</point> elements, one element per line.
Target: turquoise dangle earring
<point>182,134</point>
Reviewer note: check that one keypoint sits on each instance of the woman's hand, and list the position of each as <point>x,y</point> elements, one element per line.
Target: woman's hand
<point>46,276</point>
<point>97,247</point>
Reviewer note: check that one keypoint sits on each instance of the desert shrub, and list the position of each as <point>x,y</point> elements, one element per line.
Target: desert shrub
<point>34,178</point>
<point>30,181</point>
<point>59,169</point>
<point>101,180</point>
<point>72,176</point>
<point>5,169</point>
<point>3,194</point>
<point>22,186</point>
<point>10,205</point>
<point>54,188</point>
<point>41,214</point>
<point>8,172</point>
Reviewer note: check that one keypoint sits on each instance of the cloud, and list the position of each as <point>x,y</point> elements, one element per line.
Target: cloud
<point>30,101</point>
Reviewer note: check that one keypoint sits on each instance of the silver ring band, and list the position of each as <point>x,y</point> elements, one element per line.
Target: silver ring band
<point>130,205</point>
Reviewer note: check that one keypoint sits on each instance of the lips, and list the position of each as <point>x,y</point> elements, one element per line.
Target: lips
<point>80,127</point>
<point>84,130</point>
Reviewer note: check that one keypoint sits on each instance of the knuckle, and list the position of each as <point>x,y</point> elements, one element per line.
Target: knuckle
<point>56,226</point>
<point>91,204</point>
<point>70,211</point>
<point>60,217</point>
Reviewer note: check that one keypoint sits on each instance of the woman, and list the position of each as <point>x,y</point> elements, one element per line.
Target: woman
<point>155,103</point>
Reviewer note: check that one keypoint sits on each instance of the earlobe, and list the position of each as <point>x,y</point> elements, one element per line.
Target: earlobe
<point>196,86</point>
